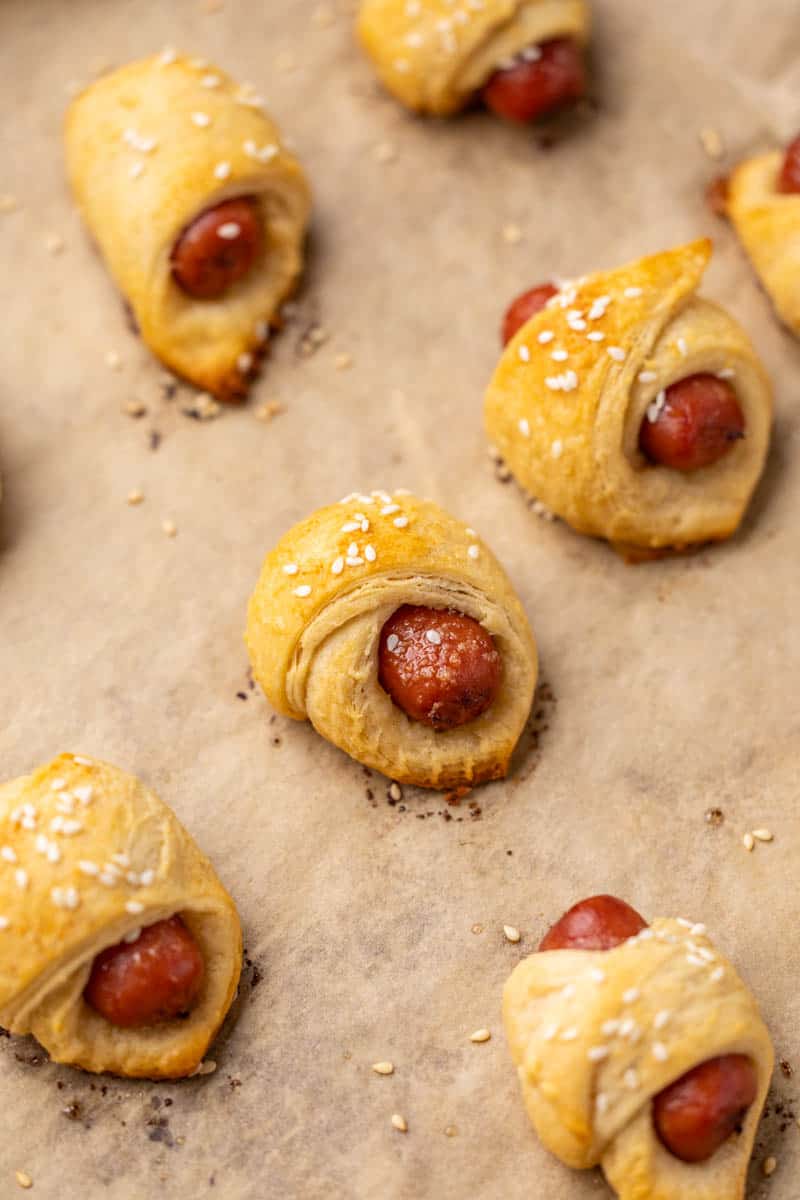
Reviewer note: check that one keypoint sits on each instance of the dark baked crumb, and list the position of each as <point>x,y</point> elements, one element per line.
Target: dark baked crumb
<point>714,817</point>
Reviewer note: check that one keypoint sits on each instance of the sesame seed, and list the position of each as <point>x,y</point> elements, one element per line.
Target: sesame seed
<point>726,373</point>
<point>557,448</point>
<point>302,591</point>
<point>569,1035</point>
<point>661,1018</point>
<point>133,936</point>
<point>395,791</point>
<point>609,1028</point>
<point>568,991</point>
<point>169,528</point>
<point>147,877</point>
<point>88,868</point>
<point>383,1068</point>
<point>352,549</point>
<point>122,860</point>
<point>210,81</point>
<point>400,522</point>
<point>388,509</point>
<point>769,1166</point>
<point>244,362</point>
<point>647,377</point>
<point>354,560</point>
<point>763,835</point>
<point>8,854</point>
<point>694,960</point>
<point>598,1053</point>
<point>474,551</point>
<point>559,356</point>
<point>512,234</point>
<point>632,292</point>
<point>660,1052</point>
<point>627,1027</point>
<point>351,527</point>
<point>597,975</point>
<point>631,1079</point>
<point>290,568</point>
<point>54,243</point>
<point>578,324</point>
<point>108,878</point>
<point>167,56</point>
<point>229,231</point>
<point>699,929</point>
<point>58,785</point>
<point>134,497</point>
<point>550,1031</point>
<point>337,566</point>
<point>4,922</point>
<point>545,336</point>
<point>601,1102</point>
<point>511,932</point>
<point>261,330</point>
<point>711,141</point>
<point>370,554</point>
<point>748,841</point>
<point>681,344</point>
<point>392,642</point>
<point>596,336</point>
<point>134,907</point>
<point>399,1123</point>
<point>23,1179</point>
<point>717,974</point>
<point>433,636</point>
<point>21,878</point>
<point>201,120</point>
<point>480,1035</point>
<point>384,152</point>
<point>631,995</point>
<point>86,791</point>
<point>524,353</point>
<point>525,427</point>
<point>617,353</point>
<point>67,897</point>
<point>222,170</point>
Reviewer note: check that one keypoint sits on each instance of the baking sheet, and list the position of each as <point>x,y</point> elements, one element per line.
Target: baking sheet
<point>374,930</point>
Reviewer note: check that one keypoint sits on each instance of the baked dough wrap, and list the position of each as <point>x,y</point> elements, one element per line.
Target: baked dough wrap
<point>316,616</point>
<point>673,1002</point>
<point>569,430</point>
<point>57,917</point>
<point>768,224</point>
<point>434,55</point>
<point>142,170</point>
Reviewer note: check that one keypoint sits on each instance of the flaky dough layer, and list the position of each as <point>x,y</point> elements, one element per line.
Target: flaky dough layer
<point>569,429</point>
<point>315,620</point>
<point>659,1005</point>
<point>142,169</point>
<point>88,856</point>
<point>434,55</point>
<point>768,225</point>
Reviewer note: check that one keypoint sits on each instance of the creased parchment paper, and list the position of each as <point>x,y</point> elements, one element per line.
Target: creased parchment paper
<point>375,930</point>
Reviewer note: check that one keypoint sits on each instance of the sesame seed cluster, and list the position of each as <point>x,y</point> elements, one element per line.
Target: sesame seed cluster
<point>442,34</point>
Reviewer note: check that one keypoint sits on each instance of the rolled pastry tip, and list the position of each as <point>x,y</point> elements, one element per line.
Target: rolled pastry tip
<point>91,862</point>
<point>198,208</point>
<point>391,627</point>
<point>435,57</point>
<point>765,213</point>
<point>578,386</point>
<point>598,1035</point>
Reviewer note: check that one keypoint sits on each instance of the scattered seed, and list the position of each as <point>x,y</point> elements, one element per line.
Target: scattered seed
<point>399,1123</point>
<point>343,361</point>
<point>451,1131</point>
<point>53,243</point>
<point>480,1035</point>
<point>384,152</point>
<point>113,360</point>
<point>748,841</point>
<point>271,408</point>
<point>208,1067</point>
<point>769,1166</point>
<point>512,933</point>
<point>202,407</point>
<point>169,528</point>
<point>763,835</point>
<point>383,1068</point>
<point>512,234</point>
<point>395,791</point>
<point>135,496</point>
<point>23,1179</point>
<point>711,141</point>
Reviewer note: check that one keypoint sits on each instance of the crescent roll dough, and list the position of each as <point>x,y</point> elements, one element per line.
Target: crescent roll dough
<point>596,1036</point>
<point>434,55</point>
<point>87,856</point>
<point>569,427</point>
<point>768,224</point>
<point>149,148</point>
<point>314,627</point>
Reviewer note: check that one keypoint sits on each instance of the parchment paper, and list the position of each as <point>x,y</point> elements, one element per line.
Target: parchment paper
<point>374,930</point>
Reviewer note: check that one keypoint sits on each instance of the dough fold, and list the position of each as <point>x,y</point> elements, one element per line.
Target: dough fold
<point>434,55</point>
<point>89,855</point>
<point>595,1036</point>
<point>568,426</point>
<point>142,168</point>
<point>316,615</point>
<point>768,224</point>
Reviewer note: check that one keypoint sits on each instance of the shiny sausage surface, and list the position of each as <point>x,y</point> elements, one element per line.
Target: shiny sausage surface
<point>696,423</point>
<point>697,1113</point>
<point>789,180</point>
<point>523,308</point>
<point>154,978</point>
<point>217,249</point>
<point>439,667</point>
<point>542,79</point>
<point>599,923</point>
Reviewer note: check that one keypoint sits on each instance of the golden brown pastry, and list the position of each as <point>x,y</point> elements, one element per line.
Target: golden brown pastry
<point>763,202</point>
<point>631,407</point>
<point>120,950</point>
<point>524,57</point>
<point>640,1049</point>
<point>198,208</point>
<point>394,630</point>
